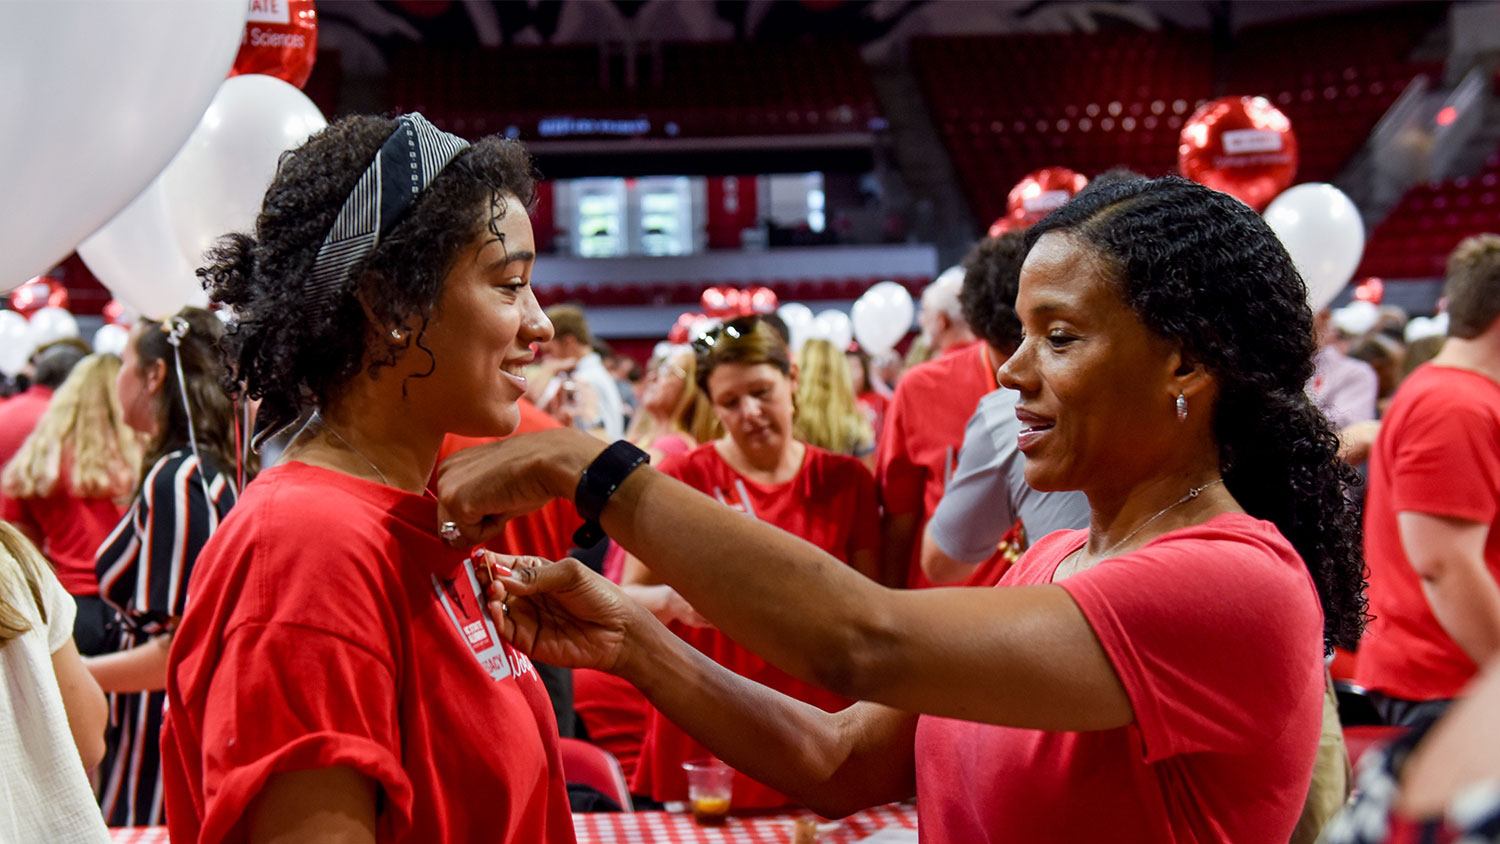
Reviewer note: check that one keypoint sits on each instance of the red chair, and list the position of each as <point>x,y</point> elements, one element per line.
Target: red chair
<point>1359,739</point>
<point>593,766</point>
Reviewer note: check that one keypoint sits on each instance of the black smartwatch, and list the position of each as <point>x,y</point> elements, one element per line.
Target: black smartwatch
<point>598,482</point>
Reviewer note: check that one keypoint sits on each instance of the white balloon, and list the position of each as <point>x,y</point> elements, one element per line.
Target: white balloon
<point>97,98</point>
<point>882,316</point>
<point>1322,231</point>
<point>110,340</point>
<point>216,183</point>
<point>834,326</point>
<point>49,325</point>
<point>136,256</point>
<point>799,321</point>
<point>1357,317</point>
<point>16,345</point>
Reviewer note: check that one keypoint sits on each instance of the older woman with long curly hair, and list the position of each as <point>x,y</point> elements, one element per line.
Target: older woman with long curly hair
<point>1156,677</point>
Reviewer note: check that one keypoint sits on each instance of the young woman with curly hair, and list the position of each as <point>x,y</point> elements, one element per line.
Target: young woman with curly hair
<point>70,482</point>
<point>1157,677</point>
<point>334,677</point>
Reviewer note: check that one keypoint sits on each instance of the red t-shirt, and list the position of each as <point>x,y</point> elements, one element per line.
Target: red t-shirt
<point>1216,634</point>
<point>830,503</point>
<point>71,531</point>
<point>18,418</point>
<point>1438,453</point>
<point>327,625</point>
<point>924,430</point>
<point>547,532</point>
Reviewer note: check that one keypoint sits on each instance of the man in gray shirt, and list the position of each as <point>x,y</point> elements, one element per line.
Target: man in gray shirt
<point>987,492</point>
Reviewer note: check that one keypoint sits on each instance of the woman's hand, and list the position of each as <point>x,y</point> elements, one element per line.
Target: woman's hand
<point>479,489</point>
<point>563,614</point>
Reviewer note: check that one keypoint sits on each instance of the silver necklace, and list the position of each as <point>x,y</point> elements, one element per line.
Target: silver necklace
<point>1189,496</point>
<point>357,453</point>
<point>447,530</point>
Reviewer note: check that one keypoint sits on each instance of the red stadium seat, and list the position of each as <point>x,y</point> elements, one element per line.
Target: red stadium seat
<point>593,766</point>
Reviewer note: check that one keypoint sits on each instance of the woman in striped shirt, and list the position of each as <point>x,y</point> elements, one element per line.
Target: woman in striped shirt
<point>187,487</point>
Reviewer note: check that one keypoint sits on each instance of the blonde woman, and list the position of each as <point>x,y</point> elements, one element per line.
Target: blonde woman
<point>674,416</point>
<point>68,485</point>
<point>827,414</point>
<point>52,728</point>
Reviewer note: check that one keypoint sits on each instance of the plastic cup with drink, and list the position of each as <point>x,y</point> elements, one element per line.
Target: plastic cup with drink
<point>710,784</point>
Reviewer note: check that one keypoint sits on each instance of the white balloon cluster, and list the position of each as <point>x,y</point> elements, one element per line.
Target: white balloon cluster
<point>148,253</point>
<point>19,339</point>
<point>802,324</point>
<point>1321,229</point>
<point>882,316</point>
<point>1422,327</point>
<point>1357,317</point>
<point>103,95</point>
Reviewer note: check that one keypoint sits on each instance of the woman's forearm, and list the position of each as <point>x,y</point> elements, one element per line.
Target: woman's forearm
<point>833,763</point>
<point>827,619</point>
<point>143,668</point>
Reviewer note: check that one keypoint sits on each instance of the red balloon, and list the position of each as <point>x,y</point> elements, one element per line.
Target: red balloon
<point>762,300</point>
<point>280,40</point>
<point>1370,290</point>
<point>1041,192</point>
<point>1243,146</point>
<point>113,312</point>
<point>679,332</point>
<point>40,292</point>
<point>716,303</point>
<point>1004,224</point>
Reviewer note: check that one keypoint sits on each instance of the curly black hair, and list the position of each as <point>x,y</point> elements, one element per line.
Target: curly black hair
<point>290,359</point>
<point>992,275</point>
<point>1203,269</point>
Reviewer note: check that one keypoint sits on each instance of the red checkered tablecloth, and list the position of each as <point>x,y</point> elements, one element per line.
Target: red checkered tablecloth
<point>673,828</point>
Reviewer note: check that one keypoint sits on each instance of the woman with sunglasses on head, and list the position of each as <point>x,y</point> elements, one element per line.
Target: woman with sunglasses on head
<point>1157,677</point>
<point>385,294</point>
<point>761,469</point>
<point>169,390</point>
<point>674,416</point>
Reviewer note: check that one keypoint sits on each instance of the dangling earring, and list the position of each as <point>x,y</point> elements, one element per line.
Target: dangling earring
<point>1181,407</point>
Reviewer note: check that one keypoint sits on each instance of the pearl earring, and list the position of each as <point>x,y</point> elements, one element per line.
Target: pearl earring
<point>396,334</point>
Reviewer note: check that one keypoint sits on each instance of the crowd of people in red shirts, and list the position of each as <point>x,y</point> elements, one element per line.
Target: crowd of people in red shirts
<point>453,532</point>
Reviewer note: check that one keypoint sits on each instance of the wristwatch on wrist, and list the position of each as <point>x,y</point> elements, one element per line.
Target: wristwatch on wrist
<point>598,482</point>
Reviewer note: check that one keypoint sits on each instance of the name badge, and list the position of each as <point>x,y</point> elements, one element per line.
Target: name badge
<point>460,599</point>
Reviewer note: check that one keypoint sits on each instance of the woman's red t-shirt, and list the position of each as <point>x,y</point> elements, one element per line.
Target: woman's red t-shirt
<point>327,625</point>
<point>830,503</point>
<point>1216,634</point>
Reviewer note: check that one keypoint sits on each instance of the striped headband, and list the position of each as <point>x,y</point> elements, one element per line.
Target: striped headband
<point>407,163</point>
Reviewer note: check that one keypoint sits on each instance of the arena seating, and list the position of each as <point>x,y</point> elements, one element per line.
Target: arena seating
<point>1007,105</point>
<point>703,89</point>
<point>1414,240</point>
<point>1333,88</point>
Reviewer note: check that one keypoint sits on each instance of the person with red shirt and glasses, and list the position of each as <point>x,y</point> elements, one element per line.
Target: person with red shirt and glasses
<point>333,676</point>
<point>758,468</point>
<point>1433,506</point>
<point>1157,677</point>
